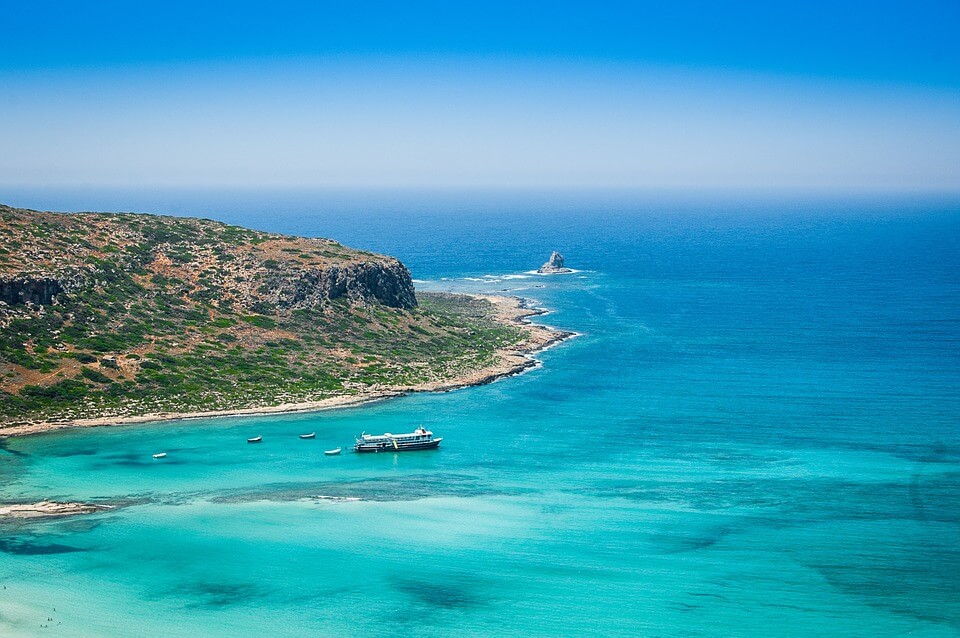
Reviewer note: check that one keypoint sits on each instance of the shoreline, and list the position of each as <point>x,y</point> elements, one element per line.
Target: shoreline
<point>513,360</point>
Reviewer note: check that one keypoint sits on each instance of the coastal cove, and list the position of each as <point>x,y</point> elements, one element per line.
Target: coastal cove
<point>480,320</point>
<point>755,428</point>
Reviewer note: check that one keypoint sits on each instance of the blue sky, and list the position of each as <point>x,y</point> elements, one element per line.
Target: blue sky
<point>828,96</point>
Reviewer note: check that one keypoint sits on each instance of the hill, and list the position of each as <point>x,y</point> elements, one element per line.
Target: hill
<point>107,317</point>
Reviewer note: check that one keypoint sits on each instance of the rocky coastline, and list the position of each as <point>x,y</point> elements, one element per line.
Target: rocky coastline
<point>121,318</point>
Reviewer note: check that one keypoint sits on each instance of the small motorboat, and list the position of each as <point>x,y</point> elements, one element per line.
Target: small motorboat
<point>255,439</point>
<point>312,435</point>
<point>335,451</point>
<point>161,455</point>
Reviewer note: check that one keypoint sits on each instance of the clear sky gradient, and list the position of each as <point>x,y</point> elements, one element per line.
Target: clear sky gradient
<point>829,96</point>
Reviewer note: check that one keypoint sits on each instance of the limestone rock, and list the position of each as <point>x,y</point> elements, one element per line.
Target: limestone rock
<point>554,265</point>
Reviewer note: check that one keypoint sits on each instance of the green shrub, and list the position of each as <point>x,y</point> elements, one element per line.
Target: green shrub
<point>260,321</point>
<point>63,392</point>
<point>95,375</point>
<point>263,308</point>
<point>21,358</point>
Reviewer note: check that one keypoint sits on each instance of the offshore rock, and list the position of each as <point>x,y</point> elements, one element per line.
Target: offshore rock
<point>554,265</point>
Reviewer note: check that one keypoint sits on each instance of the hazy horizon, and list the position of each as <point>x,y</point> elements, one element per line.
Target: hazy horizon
<point>357,216</point>
<point>748,97</point>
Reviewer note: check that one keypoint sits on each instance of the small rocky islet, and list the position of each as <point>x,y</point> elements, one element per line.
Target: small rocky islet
<point>554,265</point>
<point>135,316</point>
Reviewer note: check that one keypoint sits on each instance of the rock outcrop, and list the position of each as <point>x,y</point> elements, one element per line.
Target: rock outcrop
<point>385,281</point>
<point>554,265</point>
<point>49,508</point>
<point>29,290</point>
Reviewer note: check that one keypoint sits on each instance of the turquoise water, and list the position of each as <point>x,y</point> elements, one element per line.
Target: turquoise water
<point>756,433</point>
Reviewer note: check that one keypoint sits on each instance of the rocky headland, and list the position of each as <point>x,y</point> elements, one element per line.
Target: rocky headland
<point>112,318</point>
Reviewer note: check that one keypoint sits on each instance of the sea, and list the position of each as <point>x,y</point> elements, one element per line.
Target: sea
<point>756,433</point>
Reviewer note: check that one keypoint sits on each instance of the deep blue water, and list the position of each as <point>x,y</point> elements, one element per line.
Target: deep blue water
<point>758,432</point>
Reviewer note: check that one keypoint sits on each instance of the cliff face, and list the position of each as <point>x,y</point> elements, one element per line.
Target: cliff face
<point>29,290</point>
<point>386,282</point>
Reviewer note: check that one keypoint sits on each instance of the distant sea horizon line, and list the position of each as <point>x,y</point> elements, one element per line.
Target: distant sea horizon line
<point>195,200</point>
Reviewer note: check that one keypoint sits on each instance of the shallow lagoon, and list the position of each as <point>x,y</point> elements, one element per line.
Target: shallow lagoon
<point>756,432</point>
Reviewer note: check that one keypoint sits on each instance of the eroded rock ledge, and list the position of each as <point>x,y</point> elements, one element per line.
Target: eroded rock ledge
<point>48,508</point>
